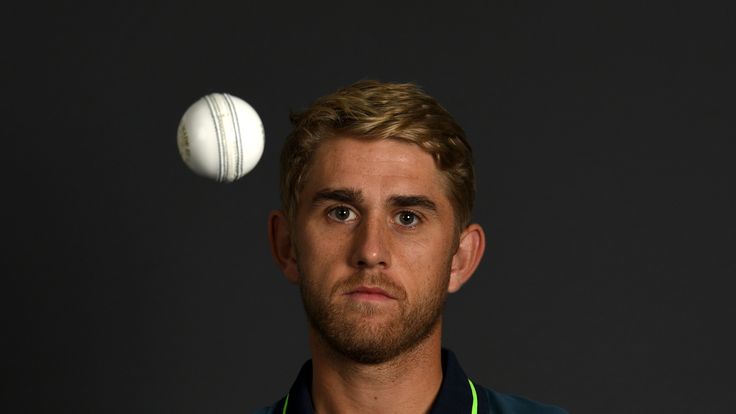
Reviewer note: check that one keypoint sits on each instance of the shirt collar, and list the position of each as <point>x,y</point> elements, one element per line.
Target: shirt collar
<point>454,395</point>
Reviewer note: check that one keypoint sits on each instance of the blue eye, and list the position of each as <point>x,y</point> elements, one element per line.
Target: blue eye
<point>343,214</point>
<point>407,219</point>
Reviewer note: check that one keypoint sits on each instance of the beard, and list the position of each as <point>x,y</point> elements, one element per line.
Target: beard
<point>371,333</point>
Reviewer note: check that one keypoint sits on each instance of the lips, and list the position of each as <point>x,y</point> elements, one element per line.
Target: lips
<point>367,292</point>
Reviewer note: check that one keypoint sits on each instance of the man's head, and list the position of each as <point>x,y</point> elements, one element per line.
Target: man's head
<point>377,185</point>
<point>375,110</point>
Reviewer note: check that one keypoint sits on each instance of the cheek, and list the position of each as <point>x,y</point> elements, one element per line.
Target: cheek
<point>422,250</point>
<point>322,239</point>
<point>320,250</point>
<point>426,263</point>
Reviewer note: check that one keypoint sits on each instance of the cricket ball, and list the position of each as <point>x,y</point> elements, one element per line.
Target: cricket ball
<point>221,137</point>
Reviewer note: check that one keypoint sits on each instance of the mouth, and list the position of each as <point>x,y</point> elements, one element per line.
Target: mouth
<point>369,294</point>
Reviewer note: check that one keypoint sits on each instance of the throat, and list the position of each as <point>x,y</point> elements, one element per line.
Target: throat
<point>408,383</point>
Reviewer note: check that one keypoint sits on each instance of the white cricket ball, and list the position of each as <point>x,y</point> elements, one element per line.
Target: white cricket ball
<point>220,137</point>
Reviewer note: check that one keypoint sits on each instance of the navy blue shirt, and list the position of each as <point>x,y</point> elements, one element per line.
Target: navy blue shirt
<point>456,395</point>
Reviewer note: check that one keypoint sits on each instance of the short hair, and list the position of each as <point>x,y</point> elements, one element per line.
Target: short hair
<point>370,109</point>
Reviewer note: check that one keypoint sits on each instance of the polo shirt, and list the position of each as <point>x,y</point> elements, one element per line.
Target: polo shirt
<point>457,395</point>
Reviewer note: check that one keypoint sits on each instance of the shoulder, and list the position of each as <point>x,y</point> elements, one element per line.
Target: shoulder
<point>277,407</point>
<point>514,404</point>
<point>265,410</point>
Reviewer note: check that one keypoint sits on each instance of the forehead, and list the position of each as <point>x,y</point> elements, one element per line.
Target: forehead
<point>382,167</point>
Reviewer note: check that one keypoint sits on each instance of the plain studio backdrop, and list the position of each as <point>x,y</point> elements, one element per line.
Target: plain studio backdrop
<point>603,135</point>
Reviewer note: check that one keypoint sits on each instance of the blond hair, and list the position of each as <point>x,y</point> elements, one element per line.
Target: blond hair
<point>376,110</point>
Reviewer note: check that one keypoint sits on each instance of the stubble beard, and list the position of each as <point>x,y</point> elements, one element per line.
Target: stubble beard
<point>362,331</point>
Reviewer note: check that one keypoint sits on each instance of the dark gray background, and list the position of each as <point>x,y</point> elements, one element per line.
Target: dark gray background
<point>603,133</point>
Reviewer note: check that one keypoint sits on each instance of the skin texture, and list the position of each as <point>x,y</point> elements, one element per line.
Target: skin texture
<point>374,252</point>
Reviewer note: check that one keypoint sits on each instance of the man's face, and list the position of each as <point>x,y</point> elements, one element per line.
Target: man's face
<point>373,240</point>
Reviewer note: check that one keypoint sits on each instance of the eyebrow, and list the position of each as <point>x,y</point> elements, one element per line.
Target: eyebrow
<point>413,201</point>
<point>354,196</point>
<point>343,195</point>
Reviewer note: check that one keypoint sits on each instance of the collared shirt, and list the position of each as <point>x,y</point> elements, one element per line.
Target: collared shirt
<point>457,394</point>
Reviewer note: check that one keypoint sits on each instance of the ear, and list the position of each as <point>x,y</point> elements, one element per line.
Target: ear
<point>279,236</point>
<point>470,250</point>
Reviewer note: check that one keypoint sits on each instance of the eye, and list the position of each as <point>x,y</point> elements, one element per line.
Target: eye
<point>407,219</point>
<point>342,214</point>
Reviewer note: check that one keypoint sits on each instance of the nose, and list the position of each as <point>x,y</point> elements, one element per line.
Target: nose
<point>371,244</point>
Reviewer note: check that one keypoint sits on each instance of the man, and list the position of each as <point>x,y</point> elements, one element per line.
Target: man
<point>377,188</point>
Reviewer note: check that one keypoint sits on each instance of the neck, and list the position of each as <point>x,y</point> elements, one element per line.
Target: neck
<point>408,383</point>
